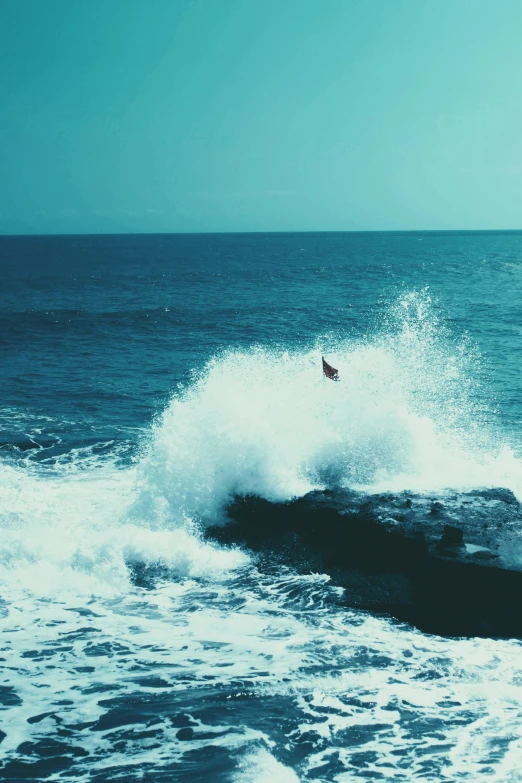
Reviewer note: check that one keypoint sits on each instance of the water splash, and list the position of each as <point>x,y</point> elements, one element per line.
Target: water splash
<point>91,651</point>
<point>409,412</point>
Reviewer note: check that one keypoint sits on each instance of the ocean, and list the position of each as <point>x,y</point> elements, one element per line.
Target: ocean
<point>149,380</point>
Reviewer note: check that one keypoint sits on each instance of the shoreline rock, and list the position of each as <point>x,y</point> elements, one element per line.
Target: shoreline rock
<point>449,565</point>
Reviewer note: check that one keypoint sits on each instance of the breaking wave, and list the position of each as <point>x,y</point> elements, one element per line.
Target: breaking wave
<point>70,533</point>
<point>408,412</point>
<point>204,659</point>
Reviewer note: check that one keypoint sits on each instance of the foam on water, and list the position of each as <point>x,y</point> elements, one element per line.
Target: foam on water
<point>269,670</point>
<point>408,413</point>
<point>298,687</point>
<point>261,767</point>
<point>69,532</point>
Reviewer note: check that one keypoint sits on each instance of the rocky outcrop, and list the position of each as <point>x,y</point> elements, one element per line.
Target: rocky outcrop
<point>450,565</point>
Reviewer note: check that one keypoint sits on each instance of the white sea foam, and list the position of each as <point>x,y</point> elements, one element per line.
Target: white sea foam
<point>262,767</point>
<point>69,533</point>
<point>353,689</point>
<point>407,413</point>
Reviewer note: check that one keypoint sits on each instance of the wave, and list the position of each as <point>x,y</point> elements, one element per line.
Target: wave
<point>69,534</point>
<point>215,650</point>
<point>410,412</point>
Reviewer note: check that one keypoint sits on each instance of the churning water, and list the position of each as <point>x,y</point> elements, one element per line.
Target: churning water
<point>147,381</point>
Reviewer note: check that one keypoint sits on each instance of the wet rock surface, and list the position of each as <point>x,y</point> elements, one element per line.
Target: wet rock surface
<point>450,565</point>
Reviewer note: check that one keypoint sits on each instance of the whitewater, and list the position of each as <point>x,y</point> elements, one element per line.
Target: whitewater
<point>132,645</point>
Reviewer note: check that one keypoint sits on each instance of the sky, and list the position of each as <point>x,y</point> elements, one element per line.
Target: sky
<point>260,115</point>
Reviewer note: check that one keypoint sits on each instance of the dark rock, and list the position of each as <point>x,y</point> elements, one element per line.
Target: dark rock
<point>454,573</point>
<point>451,536</point>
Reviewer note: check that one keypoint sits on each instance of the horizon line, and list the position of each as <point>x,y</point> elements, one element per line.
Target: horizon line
<point>278,232</point>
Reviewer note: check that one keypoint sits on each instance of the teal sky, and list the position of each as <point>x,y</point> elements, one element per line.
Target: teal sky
<point>267,115</point>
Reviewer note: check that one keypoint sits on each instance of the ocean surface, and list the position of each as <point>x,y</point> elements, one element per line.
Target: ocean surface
<point>148,380</point>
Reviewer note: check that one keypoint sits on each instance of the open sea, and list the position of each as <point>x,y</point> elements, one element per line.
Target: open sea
<point>145,382</point>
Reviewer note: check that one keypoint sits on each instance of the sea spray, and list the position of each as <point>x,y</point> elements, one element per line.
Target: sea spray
<point>70,533</point>
<point>408,412</point>
<point>131,650</point>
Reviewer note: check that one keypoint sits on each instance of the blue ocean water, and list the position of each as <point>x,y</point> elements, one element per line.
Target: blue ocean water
<point>146,381</point>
